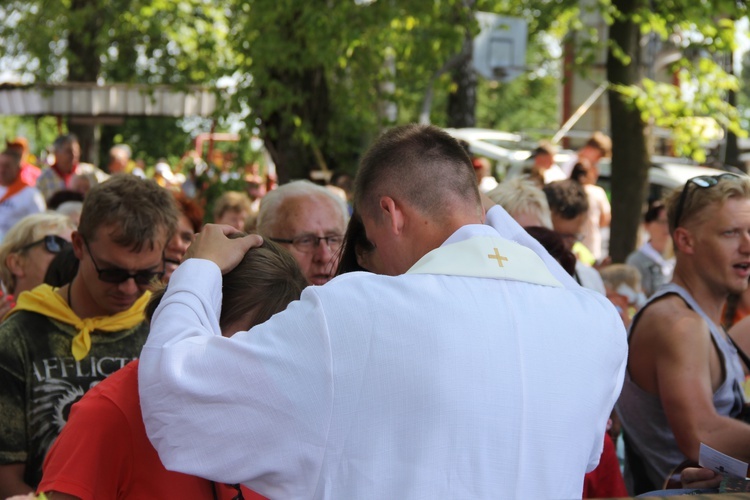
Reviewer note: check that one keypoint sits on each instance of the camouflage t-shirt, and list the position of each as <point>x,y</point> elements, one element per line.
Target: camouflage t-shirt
<point>40,380</point>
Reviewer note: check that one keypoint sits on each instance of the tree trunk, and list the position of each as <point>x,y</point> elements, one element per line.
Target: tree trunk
<point>731,147</point>
<point>732,151</point>
<point>294,158</point>
<point>84,64</point>
<point>462,103</point>
<point>630,161</point>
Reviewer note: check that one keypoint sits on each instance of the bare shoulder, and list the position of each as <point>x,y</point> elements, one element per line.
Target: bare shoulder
<point>667,320</point>
<point>668,335</point>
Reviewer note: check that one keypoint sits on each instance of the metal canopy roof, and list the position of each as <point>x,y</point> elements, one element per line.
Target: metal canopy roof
<point>90,99</point>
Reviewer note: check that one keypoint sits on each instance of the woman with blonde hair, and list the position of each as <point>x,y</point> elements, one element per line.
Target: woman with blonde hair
<point>28,248</point>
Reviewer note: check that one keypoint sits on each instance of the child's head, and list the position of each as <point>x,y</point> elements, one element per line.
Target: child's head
<point>263,283</point>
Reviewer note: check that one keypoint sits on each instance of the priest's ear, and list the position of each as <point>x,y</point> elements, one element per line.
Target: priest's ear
<point>391,214</point>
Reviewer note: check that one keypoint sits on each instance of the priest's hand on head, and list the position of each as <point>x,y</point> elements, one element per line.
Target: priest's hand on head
<point>213,244</point>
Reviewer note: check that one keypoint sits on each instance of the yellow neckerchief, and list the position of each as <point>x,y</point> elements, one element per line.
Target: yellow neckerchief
<point>44,300</point>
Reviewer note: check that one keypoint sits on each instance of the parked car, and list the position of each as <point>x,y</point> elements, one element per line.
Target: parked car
<point>665,173</point>
<point>510,153</point>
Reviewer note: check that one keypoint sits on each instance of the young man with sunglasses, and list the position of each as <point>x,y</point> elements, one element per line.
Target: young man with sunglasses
<point>58,343</point>
<point>683,386</point>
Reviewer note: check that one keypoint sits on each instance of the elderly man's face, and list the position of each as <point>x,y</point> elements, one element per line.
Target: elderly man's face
<point>316,216</point>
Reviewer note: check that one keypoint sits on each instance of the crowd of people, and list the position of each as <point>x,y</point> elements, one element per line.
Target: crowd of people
<point>372,338</point>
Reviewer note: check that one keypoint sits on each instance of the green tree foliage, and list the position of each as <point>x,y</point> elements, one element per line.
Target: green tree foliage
<point>701,32</point>
<point>123,41</point>
<point>318,77</point>
<point>145,41</point>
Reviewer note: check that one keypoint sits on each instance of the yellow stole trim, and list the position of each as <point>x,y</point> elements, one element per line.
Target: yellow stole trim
<point>487,257</point>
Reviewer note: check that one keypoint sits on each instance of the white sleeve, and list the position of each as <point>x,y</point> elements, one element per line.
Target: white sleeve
<point>251,409</point>
<point>617,374</point>
<point>509,229</point>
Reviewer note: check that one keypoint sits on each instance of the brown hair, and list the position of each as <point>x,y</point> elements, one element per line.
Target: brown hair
<point>266,280</point>
<point>355,241</point>
<point>602,142</point>
<point>14,155</point>
<point>233,201</point>
<point>190,209</point>
<point>139,211</point>
<point>616,274</point>
<point>420,164</point>
<point>555,245</point>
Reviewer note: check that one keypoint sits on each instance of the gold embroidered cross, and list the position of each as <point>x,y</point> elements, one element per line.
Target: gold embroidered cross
<point>498,257</point>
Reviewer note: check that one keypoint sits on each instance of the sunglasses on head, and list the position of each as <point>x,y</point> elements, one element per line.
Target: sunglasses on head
<point>118,275</point>
<point>52,243</point>
<point>701,181</point>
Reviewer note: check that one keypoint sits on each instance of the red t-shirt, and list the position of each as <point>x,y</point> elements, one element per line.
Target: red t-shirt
<point>103,451</point>
<point>606,480</point>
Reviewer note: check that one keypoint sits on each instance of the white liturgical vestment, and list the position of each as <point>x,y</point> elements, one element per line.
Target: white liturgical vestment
<point>484,372</point>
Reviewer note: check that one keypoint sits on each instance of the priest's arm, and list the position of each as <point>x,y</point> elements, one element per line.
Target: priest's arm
<point>251,409</point>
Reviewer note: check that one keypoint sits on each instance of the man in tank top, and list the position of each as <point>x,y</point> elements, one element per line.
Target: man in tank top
<point>684,372</point>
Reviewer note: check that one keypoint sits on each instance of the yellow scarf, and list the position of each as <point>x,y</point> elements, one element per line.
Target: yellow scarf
<point>44,300</point>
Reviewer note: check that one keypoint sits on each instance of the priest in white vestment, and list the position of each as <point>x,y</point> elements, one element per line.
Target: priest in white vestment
<point>476,368</point>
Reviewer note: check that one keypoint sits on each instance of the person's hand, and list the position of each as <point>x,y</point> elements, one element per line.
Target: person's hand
<point>699,478</point>
<point>213,244</point>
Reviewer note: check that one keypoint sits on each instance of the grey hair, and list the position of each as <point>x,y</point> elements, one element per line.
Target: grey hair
<point>520,195</point>
<point>268,214</point>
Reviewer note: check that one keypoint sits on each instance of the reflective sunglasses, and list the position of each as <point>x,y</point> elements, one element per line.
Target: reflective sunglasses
<point>308,243</point>
<point>701,181</point>
<point>52,243</point>
<point>118,275</point>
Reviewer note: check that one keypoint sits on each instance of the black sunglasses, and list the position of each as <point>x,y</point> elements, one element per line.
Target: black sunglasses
<point>52,243</point>
<point>119,275</point>
<point>701,181</point>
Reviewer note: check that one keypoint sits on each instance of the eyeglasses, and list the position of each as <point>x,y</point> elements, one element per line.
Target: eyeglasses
<point>308,243</point>
<point>52,243</point>
<point>120,275</point>
<point>701,181</point>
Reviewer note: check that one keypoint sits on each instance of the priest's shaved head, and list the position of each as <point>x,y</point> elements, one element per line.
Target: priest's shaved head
<point>414,188</point>
<point>421,164</point>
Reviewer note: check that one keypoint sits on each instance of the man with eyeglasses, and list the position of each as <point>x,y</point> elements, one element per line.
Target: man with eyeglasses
<point>569,207</point>
<point>472,366</point>
<point>309,220</point>
<point>17,199</point>
<point>56,344</point>
<point>684,382</point>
